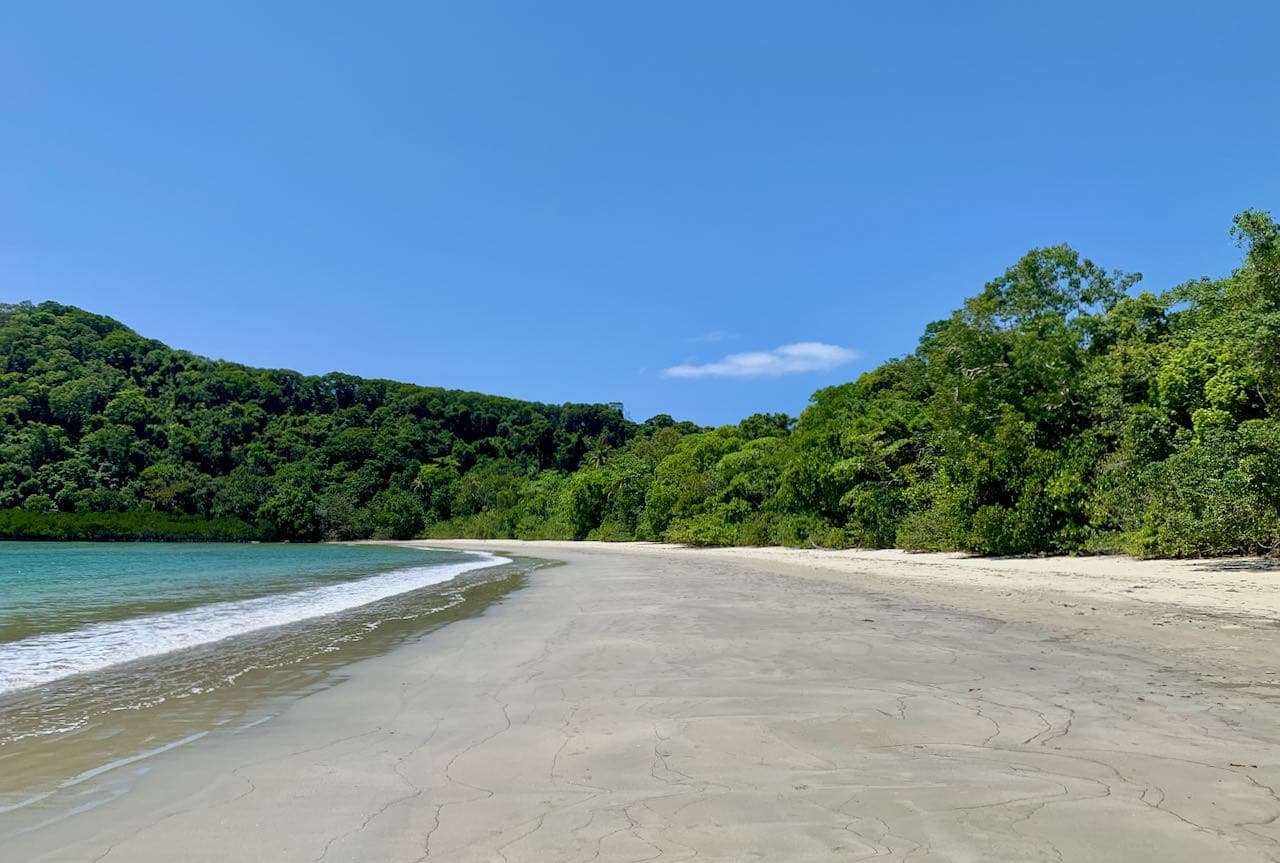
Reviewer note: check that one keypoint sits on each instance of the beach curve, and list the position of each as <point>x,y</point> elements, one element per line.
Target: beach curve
<point>646,702</point>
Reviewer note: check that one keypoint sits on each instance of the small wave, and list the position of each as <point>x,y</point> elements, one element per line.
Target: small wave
<point>45,658</point>
<point>6,739</point>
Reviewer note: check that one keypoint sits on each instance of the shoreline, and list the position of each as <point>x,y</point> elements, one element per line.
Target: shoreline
<point>84,739</point>
<point>656,702</point>
<point>1228,606</point>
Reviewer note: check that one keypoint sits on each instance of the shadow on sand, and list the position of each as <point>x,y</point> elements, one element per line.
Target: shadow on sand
<point>1243,564</point>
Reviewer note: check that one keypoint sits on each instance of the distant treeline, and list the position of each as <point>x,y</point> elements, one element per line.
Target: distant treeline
<point>104,432</point>
<point>1058,410</point>
<point>134,525</point>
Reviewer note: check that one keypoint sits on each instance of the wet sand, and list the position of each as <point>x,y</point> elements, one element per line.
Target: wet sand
<point>648,702</point>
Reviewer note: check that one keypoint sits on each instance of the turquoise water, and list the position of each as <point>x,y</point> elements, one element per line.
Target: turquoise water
<point>75,609</point>
<point>50,587</point>
<point>114,654</point>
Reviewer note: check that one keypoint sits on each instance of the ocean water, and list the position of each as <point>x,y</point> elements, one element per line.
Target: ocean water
<point>112,655</point>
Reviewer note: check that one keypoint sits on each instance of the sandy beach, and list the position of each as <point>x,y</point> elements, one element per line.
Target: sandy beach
<point>647,702</point>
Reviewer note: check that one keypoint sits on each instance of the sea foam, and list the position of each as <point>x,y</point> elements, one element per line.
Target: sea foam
<point>44,658</point>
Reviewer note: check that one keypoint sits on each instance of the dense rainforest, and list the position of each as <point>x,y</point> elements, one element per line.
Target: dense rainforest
<point>1057,410</point>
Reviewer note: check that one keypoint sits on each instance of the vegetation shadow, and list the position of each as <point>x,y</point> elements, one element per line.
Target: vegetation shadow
<point>1244,564</point>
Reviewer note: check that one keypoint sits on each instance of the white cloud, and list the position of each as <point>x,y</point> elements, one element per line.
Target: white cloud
<point>786,360</point>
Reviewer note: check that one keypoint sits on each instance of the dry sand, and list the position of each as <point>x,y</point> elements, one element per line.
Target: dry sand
<point>656,703</point>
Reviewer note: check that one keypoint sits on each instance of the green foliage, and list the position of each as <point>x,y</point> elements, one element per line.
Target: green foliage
<point>96,420</point>
<point>133,525</point>
<point>397,514</point>
<point>1219,493</point>
<point>1055,411</point>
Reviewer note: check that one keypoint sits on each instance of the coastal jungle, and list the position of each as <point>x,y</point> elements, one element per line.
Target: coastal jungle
<point>1059,409</point>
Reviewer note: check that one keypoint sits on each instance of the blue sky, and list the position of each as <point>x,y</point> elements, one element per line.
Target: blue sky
<point>704,209</point>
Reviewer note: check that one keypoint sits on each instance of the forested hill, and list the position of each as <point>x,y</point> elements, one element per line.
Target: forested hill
<point>1058,409</point>
<point>108,434</point>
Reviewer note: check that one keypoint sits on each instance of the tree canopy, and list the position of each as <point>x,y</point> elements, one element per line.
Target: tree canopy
<point>1059,409</point>
<point>97,419</point>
